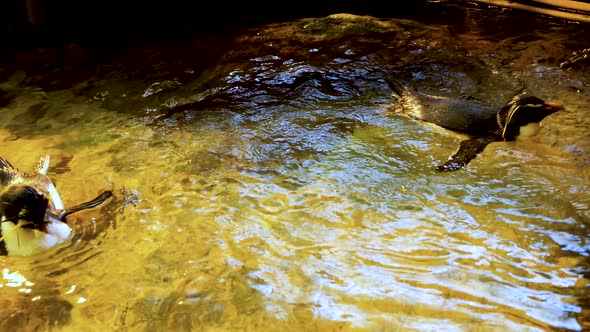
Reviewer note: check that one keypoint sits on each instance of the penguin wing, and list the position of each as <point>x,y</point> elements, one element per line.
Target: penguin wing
<point>468,150</point>
<point>87,205</point>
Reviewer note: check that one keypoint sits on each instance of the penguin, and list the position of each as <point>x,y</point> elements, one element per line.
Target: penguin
<point>483,123</point>
<point>32,214</point>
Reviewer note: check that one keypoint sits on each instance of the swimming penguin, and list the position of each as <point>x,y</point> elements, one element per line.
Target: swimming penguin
<point>484,123</point>
<point>32,214</point>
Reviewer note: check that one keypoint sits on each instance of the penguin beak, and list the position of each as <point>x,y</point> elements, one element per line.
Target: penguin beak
<point>551,107</point>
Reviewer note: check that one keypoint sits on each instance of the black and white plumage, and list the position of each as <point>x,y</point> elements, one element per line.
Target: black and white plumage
<point>32,214</point>
<point>482,122</point>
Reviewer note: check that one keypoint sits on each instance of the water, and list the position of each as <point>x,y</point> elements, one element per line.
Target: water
<point>271,189</point>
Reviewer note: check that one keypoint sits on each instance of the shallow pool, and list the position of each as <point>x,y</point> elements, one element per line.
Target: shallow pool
<point>270,188</point>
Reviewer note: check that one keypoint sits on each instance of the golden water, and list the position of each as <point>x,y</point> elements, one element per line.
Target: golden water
<point>322,215</point>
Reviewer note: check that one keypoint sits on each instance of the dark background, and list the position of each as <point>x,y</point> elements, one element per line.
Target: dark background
<point>121,21</point>
<point>104,25</point>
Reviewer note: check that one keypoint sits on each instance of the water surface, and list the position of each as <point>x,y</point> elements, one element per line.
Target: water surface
<point>265,185</point>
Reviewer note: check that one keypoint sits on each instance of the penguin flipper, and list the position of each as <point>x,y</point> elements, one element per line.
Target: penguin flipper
<point>87,205</point>
<point>468,150</point>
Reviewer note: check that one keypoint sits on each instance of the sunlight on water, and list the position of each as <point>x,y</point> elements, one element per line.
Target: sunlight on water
<point>321,213</point>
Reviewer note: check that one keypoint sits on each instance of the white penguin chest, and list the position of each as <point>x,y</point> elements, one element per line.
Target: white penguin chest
<point>27,242</point>
<point>529,130</point>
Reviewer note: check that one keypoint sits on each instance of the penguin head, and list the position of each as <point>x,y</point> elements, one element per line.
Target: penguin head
<point>20,202</point>
<point>521,112</point>
<point>28,223</point>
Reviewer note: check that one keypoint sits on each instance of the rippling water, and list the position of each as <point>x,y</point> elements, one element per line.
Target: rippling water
<point>273,190</point>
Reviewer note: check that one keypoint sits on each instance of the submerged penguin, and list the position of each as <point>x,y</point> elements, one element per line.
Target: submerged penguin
<point>32,215</point>
<point>484,123</point>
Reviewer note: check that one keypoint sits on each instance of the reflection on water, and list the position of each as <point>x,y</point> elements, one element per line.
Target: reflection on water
<point>272,190</point>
